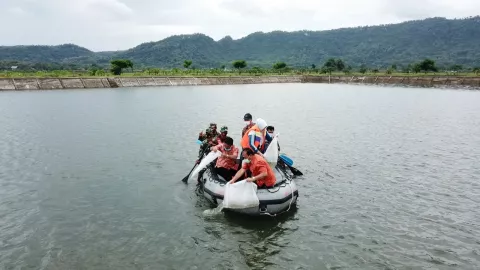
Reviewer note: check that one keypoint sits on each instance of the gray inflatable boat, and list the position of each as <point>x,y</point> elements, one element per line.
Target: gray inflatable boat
<point>273,201</point>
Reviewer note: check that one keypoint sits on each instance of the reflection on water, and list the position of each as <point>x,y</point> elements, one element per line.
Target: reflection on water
<point>91,179</point>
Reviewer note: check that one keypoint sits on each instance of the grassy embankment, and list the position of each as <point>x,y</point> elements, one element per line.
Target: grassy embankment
<point>212,73</point>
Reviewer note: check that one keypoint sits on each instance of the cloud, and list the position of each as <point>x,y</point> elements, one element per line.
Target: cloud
<point>122,24</point>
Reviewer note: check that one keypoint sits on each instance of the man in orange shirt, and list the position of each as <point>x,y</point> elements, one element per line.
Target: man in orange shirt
<point>226,165</point>
<point>262,174</point>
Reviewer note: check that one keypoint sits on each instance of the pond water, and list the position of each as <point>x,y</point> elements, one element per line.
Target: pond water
<point>91,179</point>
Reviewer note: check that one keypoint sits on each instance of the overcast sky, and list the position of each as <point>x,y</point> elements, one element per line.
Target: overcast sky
<point>121,24</point>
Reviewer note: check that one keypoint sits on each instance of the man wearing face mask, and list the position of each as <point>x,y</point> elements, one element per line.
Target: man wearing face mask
<point>226,165</point>
<point>254,138</point>
<point>262,174</point>
<point>248,123</point>
<point>269,137</point>
<point>223,135</point>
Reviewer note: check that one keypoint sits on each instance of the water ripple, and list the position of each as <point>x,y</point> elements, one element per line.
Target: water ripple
<point>91,179</point>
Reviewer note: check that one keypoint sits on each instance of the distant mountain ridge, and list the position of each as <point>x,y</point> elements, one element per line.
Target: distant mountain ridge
<point>447,41</point>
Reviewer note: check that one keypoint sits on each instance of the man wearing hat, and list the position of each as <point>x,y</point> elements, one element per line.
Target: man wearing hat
<point>208,140</point>
<point>248,123</point>
<point>223,135</point>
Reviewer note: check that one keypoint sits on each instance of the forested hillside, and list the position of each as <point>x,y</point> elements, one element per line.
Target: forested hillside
<point>445,41</point>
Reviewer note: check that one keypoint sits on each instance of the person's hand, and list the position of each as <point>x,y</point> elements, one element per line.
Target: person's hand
<point>231,181</point>
<point>213,149</point>
<point>250,179</point>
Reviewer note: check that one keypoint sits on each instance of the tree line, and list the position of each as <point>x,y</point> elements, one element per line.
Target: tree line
<point>331,65</point>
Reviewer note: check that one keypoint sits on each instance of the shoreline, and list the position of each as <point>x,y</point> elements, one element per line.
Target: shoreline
<point>54,83</point>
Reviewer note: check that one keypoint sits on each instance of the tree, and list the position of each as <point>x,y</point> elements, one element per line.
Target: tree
<point>239,64</point>
<point>375,70</point>
<point>313,66</point>
<point>333,64</point>
<point>279,65</point>
<point>416,68</point>
<point>118,65</point>
<point>100,72</point>
<point>93,70</point>
<point>476,70</point>
<point>329,66</point>
<point>256,70</point>
<point>187,63</point>
<point>347,70</point>
<point>427,65</point>
<point>116,70</point>
<point>363,69</point>
<point>408,68</point>
<point>456,68</point>
<point>330,63</point>
<point>339,64</point>
<point>394,67</point>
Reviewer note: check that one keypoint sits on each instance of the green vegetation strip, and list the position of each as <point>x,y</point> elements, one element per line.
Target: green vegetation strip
<point>332,67</point>
<point>203,73</point>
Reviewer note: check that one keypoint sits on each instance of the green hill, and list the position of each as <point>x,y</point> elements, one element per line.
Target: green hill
<point>446,41</point>
<point>37,53</point>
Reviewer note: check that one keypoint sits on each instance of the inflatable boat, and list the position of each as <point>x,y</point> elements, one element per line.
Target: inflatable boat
<point>273,201</point>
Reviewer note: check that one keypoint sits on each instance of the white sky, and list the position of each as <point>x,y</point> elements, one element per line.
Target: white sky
<point>102,25</point>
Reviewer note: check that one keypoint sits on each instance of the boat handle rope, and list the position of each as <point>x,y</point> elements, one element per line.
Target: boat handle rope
<point>289,205</point>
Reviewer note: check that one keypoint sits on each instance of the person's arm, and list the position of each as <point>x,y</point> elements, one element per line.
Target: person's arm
<point>215,148</point>
<point>251,142</point>
<point>244,130</point>
<point>268,137</point>
<point>261,175</point>
<point>237,175</point>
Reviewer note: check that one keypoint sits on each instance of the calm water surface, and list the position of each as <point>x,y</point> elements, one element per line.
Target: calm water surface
<point>90,179</point>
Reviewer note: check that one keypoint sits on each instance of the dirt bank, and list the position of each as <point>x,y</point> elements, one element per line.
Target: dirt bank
<point>114,82</point>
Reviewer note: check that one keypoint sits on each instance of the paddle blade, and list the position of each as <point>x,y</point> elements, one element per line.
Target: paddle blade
<point>185,179</point>
<point>295,171</point>
<point>199,142</point>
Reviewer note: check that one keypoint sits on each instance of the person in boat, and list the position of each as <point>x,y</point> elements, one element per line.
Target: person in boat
<point>255,137</point>
<point>268,138</point>
<point>247,118</point>
<point>270,132</point>
<point>223,135</point>
<point>208,140</point>
<point>261,173</point>
<point>209,132</point>
<point>213,127</point>
<point>226,165</point>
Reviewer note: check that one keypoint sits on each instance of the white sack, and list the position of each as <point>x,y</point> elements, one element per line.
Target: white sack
<point>205,161</point>
<point>271,154</point>
<point>240,195</point>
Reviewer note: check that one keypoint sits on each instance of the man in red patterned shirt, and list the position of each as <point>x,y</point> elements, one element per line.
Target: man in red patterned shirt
<point>226,165</point>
